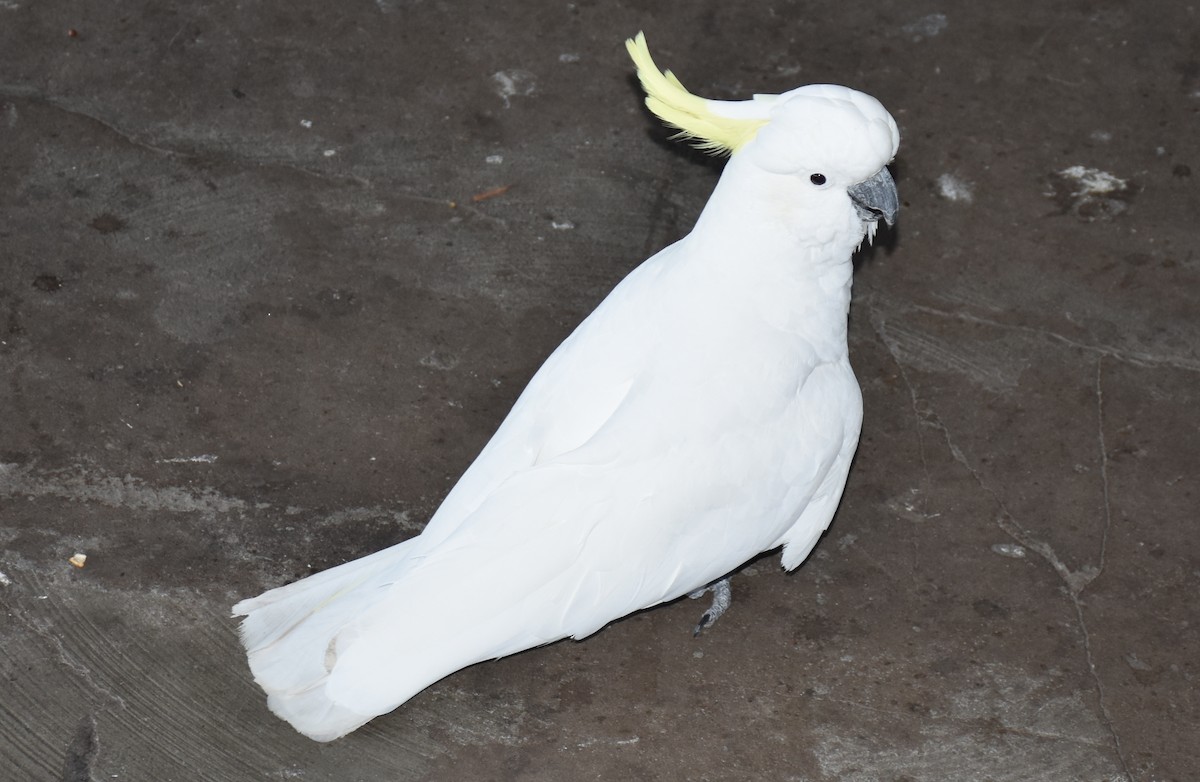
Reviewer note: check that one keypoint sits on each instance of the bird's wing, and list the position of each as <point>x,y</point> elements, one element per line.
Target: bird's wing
<point>571,396</point>
<point>673,491</point>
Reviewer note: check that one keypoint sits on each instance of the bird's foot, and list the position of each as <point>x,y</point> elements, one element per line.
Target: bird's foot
<point>722,596</point>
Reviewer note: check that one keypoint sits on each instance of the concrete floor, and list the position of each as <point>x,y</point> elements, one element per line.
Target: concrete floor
<point>253,324</point>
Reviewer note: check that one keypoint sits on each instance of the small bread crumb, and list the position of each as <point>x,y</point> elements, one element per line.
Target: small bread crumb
<point>79,560</point>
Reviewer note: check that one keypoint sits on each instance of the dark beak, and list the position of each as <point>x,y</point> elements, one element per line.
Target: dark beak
<point>876,198</point>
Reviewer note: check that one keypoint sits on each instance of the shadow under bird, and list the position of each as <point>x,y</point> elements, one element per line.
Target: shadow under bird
<point>705,412</point>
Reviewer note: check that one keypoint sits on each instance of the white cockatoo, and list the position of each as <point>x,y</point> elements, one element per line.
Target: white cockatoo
<point>704,413</point>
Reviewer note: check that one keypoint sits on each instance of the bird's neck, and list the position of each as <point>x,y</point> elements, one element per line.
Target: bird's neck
<point>793,268</point>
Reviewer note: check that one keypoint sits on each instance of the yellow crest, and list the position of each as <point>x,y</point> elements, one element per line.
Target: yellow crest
<point>692,115</point>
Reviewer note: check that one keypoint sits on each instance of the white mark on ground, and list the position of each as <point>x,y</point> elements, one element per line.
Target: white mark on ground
<point>494,160</point>
<point>927,26</point>
<point>615,742</point>
<point>4,579</point>
<point>562,225</point>
<point>1047,734</point>
<point>952,188</point>
<point>1091,182</point>
<point>512,83</point>
<point>1009,550</point>
<point>400,518</point>
<point>439,360</point>
<point>1089,193</point>
<point>204,458</point>
<point>568,57</point>
<point>80,485</point>
<point>1133,662</point>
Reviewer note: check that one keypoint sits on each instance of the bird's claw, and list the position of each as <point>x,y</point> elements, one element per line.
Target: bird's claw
<point>722,597</point>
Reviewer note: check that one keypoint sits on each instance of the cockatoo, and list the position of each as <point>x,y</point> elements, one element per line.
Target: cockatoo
<point>704,413</point>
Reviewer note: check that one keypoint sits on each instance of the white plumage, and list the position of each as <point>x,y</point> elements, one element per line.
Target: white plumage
<point>704,413</point>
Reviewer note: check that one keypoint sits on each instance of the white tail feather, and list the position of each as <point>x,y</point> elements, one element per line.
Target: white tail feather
<point>290,636</point>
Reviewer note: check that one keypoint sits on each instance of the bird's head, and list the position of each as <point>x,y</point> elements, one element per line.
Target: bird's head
<point>828,143</point>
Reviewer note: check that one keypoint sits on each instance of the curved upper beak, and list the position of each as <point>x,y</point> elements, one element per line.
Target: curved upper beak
<point>876,197</point>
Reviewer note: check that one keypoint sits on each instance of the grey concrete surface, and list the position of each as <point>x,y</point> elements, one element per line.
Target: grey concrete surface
<point>253,323</point>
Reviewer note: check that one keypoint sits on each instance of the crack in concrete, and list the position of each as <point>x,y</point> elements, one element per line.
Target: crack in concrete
<point>1132,357</point>
<point>1105,715</point>
<point>1103,460</point>
<point>878,324</point>
<point>1075,581</point>
<point>33,94</point>
<point>14,91</point>
<point>1101,694</point>
<point>11,91</point>
<point>68,660</point>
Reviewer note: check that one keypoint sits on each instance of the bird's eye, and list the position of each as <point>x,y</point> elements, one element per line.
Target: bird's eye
<point>817,179</point>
